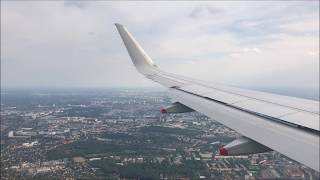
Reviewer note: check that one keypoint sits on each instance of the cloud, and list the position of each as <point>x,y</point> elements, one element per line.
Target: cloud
<point>77,4</point>
<point>246,50</point>
<point>76,43</point>
<point>200,12</point>
<point>313,53</point>
<point>309,25</point>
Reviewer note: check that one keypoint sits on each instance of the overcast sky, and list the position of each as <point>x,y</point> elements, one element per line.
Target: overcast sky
<point>75,44</point>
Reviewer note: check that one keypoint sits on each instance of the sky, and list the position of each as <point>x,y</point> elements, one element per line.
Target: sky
<point>75,44</point>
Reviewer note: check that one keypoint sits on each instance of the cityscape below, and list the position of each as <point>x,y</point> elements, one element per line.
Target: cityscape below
<point>121,134</point>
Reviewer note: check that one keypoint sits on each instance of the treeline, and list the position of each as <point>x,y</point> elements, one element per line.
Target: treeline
<point>87,147</point>
<point>83,148</point>
<point>189,169</point>
<point>167,130</point>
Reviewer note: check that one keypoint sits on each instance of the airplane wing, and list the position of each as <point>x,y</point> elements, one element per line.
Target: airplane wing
<point>285,124</point>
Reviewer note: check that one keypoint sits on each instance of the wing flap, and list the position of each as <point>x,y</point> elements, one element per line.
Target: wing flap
<point>264,108</point>
<point>225,97</point>
<point>196,89</point>
<point>304,119</point>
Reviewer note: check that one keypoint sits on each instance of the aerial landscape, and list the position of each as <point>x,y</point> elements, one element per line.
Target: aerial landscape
<point>142,90</point>
<point>120,133</point>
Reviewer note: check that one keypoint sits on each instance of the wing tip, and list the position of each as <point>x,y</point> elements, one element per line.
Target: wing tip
<point>118,24</point>
<point>139,57</point>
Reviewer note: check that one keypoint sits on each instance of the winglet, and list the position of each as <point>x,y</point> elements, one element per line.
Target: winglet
<point>139,57</point>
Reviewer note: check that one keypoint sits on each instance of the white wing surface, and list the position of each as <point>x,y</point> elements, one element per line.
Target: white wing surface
<point>285,124</point>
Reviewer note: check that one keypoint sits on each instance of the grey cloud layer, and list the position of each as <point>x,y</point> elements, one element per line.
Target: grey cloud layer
<point>75,43</point>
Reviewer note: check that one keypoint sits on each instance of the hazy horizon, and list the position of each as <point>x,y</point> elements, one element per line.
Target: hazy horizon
<point>296,92</point>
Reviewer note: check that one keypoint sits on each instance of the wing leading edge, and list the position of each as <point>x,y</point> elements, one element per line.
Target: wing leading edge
<point>286,124</point>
